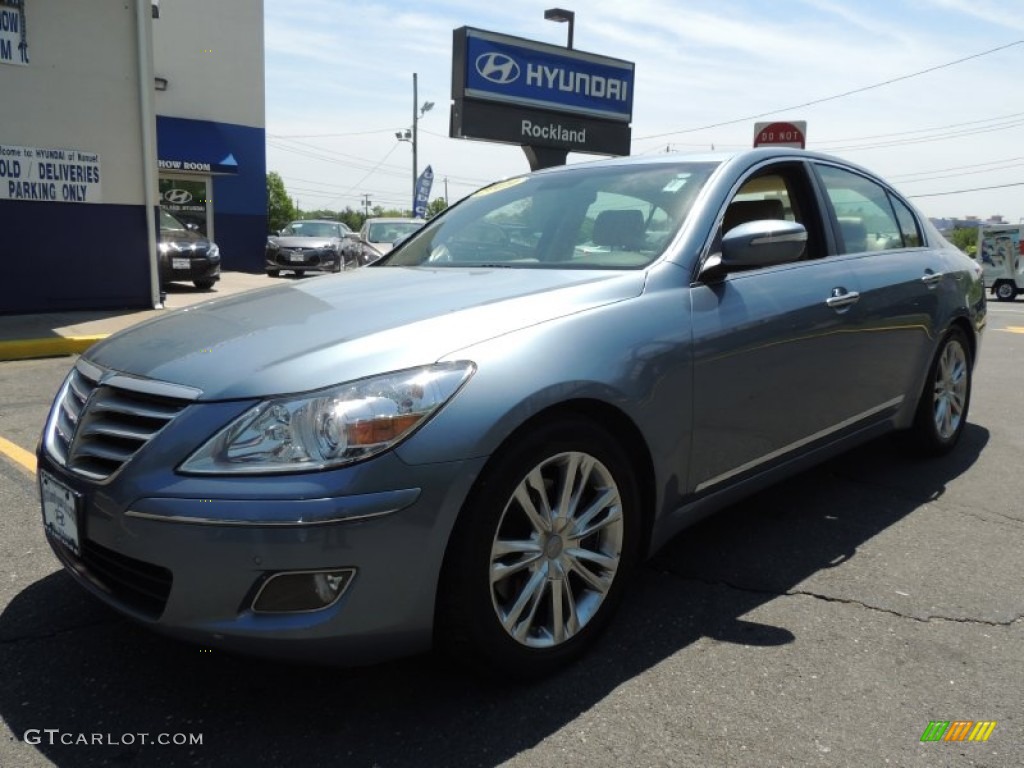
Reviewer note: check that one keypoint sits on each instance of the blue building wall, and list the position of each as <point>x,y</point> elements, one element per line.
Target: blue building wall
<point>63,256</point>
<point>240,201</point>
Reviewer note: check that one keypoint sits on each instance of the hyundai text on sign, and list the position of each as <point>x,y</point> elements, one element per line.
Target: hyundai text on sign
<point>49,175</point>
<point>516,71</point>
<point>521,91</point>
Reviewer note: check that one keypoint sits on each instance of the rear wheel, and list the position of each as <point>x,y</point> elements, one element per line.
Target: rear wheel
<point>1006,291</point>
<point>300,272</point>
<point>273,272</point>
<point>539,558</point>
<point>204,285</point>
<point>942,411</point>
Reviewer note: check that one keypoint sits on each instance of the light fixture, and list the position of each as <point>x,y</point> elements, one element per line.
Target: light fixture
<point>560,14</point>
<point>160,83</point>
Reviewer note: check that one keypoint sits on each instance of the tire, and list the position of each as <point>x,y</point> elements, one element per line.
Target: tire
<point>522,592</point>
<point>942,410</point>
<point>1005,291</point>
<point>273,272</point>
<point>300,272</point>
<point>204,285</point>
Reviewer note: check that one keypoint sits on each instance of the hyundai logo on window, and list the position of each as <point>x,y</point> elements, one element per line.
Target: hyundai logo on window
<point>177,196</point>
<point>526,73</point>
<point>497,67</point>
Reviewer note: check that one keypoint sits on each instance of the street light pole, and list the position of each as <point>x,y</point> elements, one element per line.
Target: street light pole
<point>415,122</point>
<point>560,14</point>
<point>412,134</point>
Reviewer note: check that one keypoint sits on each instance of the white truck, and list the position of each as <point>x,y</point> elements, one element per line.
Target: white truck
<point>1001,254</point>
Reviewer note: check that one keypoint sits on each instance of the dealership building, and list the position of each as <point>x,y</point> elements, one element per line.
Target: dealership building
<point>109,109</point>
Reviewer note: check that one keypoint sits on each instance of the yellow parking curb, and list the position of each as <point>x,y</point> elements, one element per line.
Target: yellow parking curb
<point>18,454</point>
<point>25,349</point>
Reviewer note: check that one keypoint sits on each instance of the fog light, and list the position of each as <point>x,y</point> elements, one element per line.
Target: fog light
<point>299,591</point>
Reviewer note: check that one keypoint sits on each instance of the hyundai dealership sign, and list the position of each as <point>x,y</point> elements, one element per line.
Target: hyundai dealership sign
<point>520,91</point>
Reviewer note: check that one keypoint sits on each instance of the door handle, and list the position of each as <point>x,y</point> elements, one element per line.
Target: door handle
<point>842,298</point>
<point>932,279</point>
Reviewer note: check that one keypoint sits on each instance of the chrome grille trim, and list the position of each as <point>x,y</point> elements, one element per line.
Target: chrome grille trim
<point>102,419</point>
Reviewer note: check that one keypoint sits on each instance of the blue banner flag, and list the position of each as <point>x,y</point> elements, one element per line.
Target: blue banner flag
<point>422,199</point>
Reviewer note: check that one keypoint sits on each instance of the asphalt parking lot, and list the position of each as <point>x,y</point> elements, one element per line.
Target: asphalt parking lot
<point>824,622</point>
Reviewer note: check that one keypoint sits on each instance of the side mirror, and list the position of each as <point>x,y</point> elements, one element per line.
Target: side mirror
<point>756,244</point>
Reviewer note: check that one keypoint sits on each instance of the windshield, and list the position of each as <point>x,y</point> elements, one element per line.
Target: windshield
<point>312,229</point>
<point>170,224</point>
<point>609,217</point>
<point>389,231</point>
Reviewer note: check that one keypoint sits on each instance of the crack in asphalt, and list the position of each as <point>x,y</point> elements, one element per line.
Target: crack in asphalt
<point>843,600</point>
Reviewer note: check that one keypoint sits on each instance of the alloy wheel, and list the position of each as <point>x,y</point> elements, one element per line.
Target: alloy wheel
<point>556,550</point>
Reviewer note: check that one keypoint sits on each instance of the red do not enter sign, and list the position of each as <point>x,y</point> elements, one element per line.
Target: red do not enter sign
<point>792,134</point>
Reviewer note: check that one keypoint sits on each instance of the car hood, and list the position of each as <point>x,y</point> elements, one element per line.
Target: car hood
<point>303,242</point>
<point>316,333</point>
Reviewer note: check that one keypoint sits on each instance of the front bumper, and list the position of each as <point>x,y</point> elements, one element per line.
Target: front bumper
<point>199,268</point>
<point>314,259</point>
<point>190,565</point>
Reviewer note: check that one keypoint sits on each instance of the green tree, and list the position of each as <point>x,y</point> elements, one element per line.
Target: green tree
<point>437,205</point>
<point>280,208</point>
<point>966,239</point>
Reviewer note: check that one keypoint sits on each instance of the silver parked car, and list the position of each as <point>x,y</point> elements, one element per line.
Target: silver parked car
<point>309,245</point>
<point>475,441</point>
<point>382,233</point>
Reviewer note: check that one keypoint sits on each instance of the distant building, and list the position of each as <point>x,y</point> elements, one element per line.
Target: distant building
<point>111,108</point>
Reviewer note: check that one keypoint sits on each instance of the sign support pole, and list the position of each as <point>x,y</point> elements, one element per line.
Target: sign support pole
<point>544,157</point>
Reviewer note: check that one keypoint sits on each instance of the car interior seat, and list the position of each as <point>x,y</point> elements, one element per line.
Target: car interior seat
<point>619,229</point>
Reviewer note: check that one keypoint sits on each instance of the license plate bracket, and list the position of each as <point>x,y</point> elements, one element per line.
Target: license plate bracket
<point>62,512</point>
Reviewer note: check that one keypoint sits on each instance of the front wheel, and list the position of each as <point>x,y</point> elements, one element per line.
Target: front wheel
<point>942,411</point>
<point>204,284</point>
<point>1006,291</point>
<point>542,550</point>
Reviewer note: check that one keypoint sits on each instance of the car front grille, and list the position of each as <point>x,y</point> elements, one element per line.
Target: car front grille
<point>136,583</point>
<point>100,421</point>
<point>304,257</point>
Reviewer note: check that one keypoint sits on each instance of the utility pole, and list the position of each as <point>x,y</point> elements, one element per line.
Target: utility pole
<point>366,206</point>
<point>445,191</point>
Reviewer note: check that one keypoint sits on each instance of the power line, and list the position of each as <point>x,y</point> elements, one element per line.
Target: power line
<point>921,130</point>
<point>327,135</point>
<point>961,173</point>
<point>836,96</point>
<point>974,189</point>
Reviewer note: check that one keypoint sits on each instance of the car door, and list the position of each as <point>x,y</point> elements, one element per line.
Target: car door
<point>901,282</point>
<point>772,351</point>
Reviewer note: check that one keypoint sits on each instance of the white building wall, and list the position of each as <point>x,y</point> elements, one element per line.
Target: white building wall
<point>211,54</point>
<point>80,89</point>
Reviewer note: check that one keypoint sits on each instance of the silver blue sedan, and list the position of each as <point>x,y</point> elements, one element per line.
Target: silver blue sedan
<point>473,443</point>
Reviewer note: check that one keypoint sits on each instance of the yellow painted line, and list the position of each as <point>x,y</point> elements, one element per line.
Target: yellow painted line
<point>58,346</point>
<point>1012,328</point>
<point>18,454</point>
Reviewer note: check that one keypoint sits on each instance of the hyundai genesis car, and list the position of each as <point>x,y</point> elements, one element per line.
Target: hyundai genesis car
<point>473,443</point>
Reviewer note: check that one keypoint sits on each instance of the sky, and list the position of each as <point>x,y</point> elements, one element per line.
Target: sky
<point>929,94</point>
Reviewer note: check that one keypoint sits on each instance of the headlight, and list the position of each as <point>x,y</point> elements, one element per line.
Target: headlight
<point>271,245</point>
<point>213,252</point>
<point>332,427</point>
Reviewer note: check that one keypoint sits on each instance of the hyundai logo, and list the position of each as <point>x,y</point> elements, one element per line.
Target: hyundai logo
<point>497,67</point>
<point>177,196</point>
